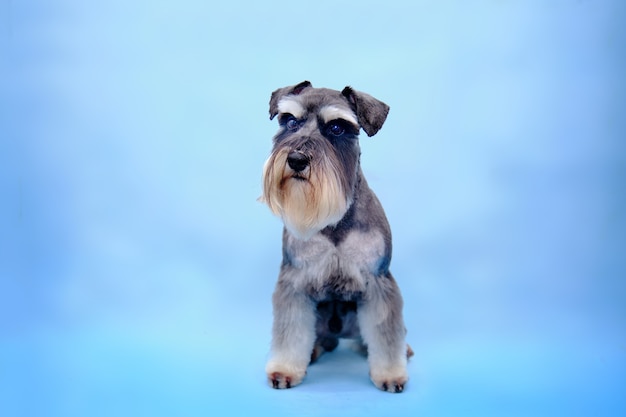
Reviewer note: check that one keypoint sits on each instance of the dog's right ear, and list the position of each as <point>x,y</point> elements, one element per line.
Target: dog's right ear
<point>281,92</point>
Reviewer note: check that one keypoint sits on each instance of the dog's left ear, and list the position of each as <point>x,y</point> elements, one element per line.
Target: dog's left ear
<point>281,92</point>
<point>370,112</point>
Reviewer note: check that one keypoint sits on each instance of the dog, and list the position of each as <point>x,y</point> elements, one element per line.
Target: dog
<point>334,279</point>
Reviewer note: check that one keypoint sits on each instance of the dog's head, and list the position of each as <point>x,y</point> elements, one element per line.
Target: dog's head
<point>310,176</point>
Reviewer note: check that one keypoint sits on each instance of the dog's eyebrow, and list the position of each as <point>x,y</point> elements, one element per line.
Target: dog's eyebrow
<point>292,106</point>
<point>333,112</point>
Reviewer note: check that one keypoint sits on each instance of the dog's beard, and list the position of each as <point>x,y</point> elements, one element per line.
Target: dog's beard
<point>307,202</point>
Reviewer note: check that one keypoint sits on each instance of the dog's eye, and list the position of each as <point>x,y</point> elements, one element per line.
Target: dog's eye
<point>292,123</point>
<point>289,121</point>
<point>336,129</point>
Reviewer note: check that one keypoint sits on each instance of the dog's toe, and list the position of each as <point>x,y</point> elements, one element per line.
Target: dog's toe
<point>390,381</point>
<point>279,380</point>
<point>283,374</point>
<point>391,386</point>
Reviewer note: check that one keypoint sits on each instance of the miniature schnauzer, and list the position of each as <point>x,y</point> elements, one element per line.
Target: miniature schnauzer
<point>334,279</point>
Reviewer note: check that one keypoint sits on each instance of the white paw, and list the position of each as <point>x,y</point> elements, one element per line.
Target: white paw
<point>280,376</point>
<point>390,380</point>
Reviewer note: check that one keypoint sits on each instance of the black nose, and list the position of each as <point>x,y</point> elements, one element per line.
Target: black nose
<point>297,161</point>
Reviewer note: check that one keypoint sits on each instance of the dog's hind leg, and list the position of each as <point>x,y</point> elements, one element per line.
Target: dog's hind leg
<point>323,345</point>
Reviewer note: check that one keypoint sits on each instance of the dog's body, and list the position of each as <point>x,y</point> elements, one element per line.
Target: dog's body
<point>334,280</point>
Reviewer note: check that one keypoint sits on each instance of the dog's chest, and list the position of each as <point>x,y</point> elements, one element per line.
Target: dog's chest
<point>342,270</point>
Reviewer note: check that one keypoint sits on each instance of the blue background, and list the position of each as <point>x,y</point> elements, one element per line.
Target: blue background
<point>137,267</point>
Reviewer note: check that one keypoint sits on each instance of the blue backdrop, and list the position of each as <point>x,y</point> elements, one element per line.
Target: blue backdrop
<point>136,267</point>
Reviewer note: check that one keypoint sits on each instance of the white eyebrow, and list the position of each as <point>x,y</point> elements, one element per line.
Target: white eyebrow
<point>292,106</point>
<point>332,112</point>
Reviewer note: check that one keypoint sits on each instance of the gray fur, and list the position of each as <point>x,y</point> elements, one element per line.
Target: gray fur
<point>337,283</point>
<point>281,92</point>
<point>371,112</point>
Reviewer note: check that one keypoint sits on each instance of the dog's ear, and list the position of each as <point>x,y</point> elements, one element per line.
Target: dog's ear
<point>370,112</point>
<point>281,92</point>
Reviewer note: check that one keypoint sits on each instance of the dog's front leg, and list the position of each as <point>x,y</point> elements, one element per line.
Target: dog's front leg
<point>293,336</point>
<point>383,331</point>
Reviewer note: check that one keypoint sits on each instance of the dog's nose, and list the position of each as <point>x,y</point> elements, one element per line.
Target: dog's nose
<point>297,161</point>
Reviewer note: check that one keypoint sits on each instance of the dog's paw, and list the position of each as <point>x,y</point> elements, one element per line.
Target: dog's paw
<point>390,381</point>
<point>281,377</point>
